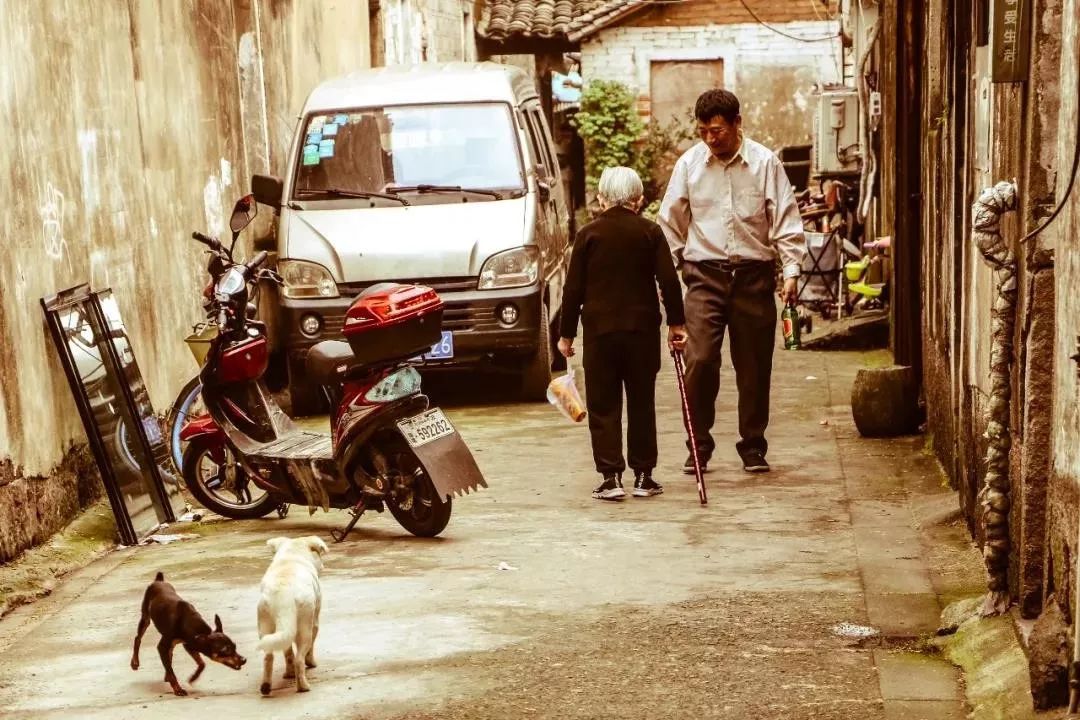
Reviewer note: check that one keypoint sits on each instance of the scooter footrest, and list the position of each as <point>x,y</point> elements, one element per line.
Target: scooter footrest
<point>298,446</point>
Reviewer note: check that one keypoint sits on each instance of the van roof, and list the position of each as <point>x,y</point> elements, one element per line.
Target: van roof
<point>424,83</point>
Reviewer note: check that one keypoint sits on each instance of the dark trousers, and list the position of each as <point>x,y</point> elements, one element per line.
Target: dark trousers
<point>614,362</point>
<point>741,301</point>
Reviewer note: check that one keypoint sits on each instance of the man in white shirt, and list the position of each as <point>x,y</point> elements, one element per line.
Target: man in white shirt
<point>729,213</point>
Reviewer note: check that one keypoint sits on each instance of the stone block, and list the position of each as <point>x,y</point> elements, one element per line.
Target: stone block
<point>1048,657</point>
<point>884,401</point>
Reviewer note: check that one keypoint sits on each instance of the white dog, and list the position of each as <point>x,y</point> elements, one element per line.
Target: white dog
<point>289,607</point>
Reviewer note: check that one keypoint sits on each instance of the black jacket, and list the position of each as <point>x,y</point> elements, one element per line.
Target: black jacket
<point>617,261</point>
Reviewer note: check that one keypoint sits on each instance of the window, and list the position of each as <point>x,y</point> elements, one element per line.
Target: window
<point>377,149</point>
<point>539,138</point>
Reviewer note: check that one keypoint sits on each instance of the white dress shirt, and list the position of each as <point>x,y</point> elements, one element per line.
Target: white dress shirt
<point>739,210</point>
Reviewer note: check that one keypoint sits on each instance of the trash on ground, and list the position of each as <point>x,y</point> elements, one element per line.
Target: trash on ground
<point>851,630</point>
<point>506,566</point>
<point>194,516</point>
<point>824,422</point>
<point>811,377</point>
<point>165,539</point>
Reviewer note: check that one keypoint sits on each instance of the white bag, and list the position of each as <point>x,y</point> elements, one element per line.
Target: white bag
<point>564,395</point>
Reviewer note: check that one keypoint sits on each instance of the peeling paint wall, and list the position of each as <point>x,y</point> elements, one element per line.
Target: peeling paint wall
<point>416,31</point>
<point>773,75</point>
<point>127,129</point>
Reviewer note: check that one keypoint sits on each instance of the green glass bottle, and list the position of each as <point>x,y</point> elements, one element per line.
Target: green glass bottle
<point>790,318</point>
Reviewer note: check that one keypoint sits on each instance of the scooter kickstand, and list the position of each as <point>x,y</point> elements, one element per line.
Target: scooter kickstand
<point>356,511</point>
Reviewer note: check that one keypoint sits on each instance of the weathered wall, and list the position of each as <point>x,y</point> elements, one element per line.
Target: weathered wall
<point>1064,237</point>
<point>417,31</point>
<point>126,132</point>
<point>976,133</point>
<point>773,75</point>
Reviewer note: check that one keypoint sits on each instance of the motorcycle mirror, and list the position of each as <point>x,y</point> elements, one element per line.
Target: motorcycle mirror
<point>243,213</point>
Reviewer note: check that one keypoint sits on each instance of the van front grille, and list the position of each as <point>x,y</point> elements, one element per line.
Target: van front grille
<point>439,285</point>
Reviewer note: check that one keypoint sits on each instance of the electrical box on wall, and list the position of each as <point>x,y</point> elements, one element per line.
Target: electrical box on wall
<point>836,132</point>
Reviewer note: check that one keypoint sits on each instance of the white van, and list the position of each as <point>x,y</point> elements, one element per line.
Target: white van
<point>444,175</point>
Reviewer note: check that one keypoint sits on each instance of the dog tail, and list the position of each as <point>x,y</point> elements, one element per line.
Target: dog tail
<point>160,577</point>
<point>283,638</point>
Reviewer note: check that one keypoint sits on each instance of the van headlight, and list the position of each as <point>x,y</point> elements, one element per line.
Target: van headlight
<point>306,280</point>
<point>396,385</point>
<point>511,269</point>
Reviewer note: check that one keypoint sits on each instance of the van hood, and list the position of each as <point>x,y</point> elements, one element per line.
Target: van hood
<point>406,243</point>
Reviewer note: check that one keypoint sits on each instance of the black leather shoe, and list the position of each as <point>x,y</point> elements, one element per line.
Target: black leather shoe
<point>688,466</point>
<point>754,461</point>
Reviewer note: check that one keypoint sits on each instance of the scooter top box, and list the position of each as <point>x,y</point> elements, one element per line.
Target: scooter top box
<point>393,321</point>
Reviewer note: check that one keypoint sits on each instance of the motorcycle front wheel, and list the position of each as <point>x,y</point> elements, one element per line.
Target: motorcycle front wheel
<point>188,404</point>
<point>414,503</point>
<point>221,485</point>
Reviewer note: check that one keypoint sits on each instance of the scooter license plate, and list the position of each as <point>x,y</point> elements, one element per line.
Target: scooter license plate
<point>426,427</point>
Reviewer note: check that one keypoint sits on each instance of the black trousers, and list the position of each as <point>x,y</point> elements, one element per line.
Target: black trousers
<point>742,301</point>
<point>615,362</point>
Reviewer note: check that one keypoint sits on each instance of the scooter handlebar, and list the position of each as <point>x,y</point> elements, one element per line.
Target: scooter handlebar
<point>204,239</point>
<point>259,259</point>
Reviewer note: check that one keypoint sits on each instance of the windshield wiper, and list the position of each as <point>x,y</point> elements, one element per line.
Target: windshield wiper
<point>338,192</point>
<point>423,188</point>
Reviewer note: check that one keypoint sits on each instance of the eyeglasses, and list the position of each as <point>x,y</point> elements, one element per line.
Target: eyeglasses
<point>714,131</point>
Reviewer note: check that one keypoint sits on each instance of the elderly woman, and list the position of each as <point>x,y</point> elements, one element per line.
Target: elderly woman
<point>618,260</point>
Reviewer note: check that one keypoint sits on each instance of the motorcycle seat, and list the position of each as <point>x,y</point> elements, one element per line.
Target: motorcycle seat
<point>328,361</point>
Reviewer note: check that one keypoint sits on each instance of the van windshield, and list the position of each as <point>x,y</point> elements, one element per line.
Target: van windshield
<point>408,149</point>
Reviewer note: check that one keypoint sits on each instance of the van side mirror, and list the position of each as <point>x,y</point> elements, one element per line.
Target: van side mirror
<point>267,190</point>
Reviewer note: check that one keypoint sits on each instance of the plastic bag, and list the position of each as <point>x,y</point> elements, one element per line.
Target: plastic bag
<point>564,395</point>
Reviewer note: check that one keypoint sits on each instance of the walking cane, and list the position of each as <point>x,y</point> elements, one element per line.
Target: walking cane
<point>680,374</point>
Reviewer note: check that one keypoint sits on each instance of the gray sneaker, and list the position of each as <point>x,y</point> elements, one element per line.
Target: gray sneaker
<point>610,489</point>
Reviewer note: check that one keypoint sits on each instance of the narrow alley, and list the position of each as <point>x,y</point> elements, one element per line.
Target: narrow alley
<point>754,606</point>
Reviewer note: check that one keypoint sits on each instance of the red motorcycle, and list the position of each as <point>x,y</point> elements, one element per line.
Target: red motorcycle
<point>387,448</point>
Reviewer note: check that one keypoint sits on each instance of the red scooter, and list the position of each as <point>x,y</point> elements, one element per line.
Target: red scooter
<point>387,449</point>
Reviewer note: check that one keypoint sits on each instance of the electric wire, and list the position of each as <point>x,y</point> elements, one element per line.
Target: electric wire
<point>778,31</point>
<point>1072,176</point>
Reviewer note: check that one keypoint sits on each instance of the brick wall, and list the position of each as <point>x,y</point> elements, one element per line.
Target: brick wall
<point>773,75</point>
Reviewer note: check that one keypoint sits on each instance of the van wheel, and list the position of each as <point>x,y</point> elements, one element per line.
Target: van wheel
<point>536,375</point>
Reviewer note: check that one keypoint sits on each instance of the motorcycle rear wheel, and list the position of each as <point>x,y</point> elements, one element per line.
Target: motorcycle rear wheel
<point>423,513</point>
<point>198,451</point>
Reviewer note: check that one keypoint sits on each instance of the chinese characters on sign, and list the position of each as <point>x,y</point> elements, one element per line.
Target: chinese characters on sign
<point>1011,41</point>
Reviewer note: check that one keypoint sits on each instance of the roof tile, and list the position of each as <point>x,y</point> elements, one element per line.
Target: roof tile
<point>570,19</point>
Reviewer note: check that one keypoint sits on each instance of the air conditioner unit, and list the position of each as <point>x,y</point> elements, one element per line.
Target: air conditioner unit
<point>836,132</point>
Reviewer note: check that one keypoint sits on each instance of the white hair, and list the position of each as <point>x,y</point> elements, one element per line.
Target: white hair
<point>620,186</point>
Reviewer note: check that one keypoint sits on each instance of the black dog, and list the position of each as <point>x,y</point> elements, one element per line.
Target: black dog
<point>179,623</point>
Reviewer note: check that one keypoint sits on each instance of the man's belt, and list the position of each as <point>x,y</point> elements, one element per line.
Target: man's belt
<point>731,266</point>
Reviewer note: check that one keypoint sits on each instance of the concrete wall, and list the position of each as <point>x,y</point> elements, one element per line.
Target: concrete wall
<point>129,125</point>
<point>772,75</point>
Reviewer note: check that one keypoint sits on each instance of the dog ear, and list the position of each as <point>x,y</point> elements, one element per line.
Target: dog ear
<point>317,544</point>
<point>217,624</point>
<point>276,543</point>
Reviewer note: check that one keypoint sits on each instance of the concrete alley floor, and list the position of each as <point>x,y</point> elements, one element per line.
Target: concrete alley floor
<point>652,608</point>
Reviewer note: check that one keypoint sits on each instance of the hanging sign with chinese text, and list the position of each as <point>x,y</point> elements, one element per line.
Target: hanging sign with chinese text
<point>1011,41</point>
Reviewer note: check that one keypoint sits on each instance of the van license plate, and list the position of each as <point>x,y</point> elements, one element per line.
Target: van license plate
<point>444,349</point>
<point>425,428</point>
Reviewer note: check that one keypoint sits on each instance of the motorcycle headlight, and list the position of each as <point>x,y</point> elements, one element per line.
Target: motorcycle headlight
<point>512,269</point>
<point>231,283</point>
<point>306,280</point>
<point>396,385</point>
